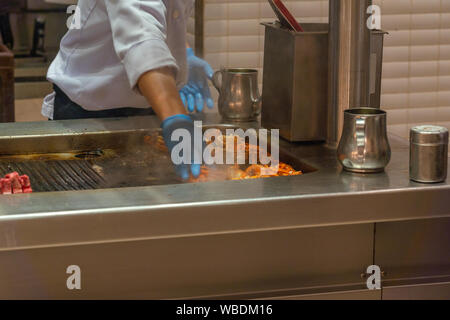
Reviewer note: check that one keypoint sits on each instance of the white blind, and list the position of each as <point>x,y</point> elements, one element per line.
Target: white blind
<point>416,72</point>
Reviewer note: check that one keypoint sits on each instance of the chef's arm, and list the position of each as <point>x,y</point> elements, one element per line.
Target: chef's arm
<point>159,87</point>
<point>139,29</point>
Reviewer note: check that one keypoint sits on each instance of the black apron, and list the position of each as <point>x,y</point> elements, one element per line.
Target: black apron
<point>66,109</point>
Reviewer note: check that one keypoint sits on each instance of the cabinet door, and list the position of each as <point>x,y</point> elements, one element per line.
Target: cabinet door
<point>408,250</point>
<point>427,291</point>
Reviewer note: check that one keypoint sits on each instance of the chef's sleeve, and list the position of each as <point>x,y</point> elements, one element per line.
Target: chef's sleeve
<point>139,35</point>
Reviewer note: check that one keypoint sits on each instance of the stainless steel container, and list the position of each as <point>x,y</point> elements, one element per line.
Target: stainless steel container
<point>295,80</point>
<point>239,98</point>
<point>364,146</point>
<point>428,154</point>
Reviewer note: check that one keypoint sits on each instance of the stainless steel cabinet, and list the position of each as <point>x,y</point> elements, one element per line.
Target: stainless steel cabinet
<point>303,263</point>
<point>415,256</point>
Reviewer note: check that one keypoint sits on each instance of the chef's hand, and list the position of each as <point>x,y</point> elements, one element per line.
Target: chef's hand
<point>196,93</point>
<point>184,164</point>
<point>159,87</point>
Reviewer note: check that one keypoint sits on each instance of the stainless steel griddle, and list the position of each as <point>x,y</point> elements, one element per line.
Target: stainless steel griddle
<point>99,160</point>
<point>91,169</point>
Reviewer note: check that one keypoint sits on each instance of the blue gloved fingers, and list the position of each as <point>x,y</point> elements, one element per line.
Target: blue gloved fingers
<point>183,171</point>
<point>199,102</point>
<point>195,169</point>
<point>208,70</point>
<point>199,72</point>
<point>189,88</point>
<point>203,88</point>
<point>183,98</point>
<point>191,102</point>
<point>206,93</point>
<point>197,156</point>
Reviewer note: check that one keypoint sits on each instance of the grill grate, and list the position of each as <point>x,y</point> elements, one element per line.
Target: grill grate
<point>58,175</point>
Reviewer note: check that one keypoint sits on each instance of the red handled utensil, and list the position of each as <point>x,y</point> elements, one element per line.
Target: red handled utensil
<point>286,18</point>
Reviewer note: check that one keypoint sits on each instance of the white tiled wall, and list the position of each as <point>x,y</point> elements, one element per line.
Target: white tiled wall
<point>416,73</point>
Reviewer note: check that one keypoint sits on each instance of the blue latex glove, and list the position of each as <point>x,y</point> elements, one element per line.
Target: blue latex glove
<point>196,93</point>
<point>181,121</point>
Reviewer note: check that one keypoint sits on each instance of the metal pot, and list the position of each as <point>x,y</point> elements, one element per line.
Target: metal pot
<point>364,146</point>
<point>239,98</point>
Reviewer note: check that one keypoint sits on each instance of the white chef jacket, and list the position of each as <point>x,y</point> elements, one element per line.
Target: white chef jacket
<point>98,65</point>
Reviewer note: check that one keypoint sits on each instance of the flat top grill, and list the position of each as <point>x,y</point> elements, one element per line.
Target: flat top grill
<point>116,160</point>
<point>56,175</point>
<point>92,169</point>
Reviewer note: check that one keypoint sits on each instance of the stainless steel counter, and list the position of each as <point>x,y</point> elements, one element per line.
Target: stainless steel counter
<point>300,237</point>
<point>327,197</point>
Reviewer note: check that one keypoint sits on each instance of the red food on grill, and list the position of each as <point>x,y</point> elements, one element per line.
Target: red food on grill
<point>13,183</point>
<point>6,186</point>
<point>26,185</point>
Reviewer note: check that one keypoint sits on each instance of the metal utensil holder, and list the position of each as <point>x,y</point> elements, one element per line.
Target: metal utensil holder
<point>295,80</point>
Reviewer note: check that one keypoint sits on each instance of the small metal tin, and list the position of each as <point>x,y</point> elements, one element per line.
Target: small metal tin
<point>428,154</point>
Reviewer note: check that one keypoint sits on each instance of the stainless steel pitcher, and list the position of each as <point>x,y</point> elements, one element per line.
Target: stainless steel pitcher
<point>364,146</point>
<point>239,97</point>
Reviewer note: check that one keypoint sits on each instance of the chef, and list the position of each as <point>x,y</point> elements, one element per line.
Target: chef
<point>125,56</point>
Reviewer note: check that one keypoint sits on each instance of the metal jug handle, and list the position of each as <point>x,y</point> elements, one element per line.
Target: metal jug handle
<point>361,137</point>
<point>257,103</point>
<point>215,80</point>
